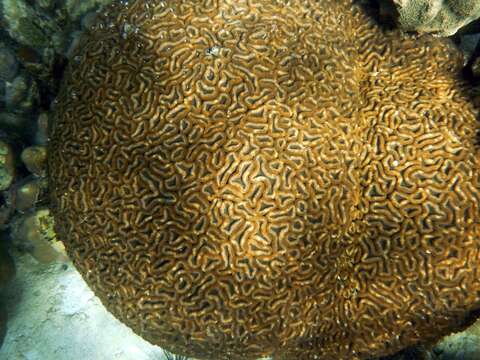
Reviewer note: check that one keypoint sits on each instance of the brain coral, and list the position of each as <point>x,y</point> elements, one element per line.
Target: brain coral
<point>244,178</point>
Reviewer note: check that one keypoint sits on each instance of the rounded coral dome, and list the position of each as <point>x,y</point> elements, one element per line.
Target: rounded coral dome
<point>237,179</point>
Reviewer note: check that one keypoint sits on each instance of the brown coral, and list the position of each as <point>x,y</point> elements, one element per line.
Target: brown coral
<point>245,178</point>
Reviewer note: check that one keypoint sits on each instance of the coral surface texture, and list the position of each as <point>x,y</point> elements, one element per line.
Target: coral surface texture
<point>237,179</point>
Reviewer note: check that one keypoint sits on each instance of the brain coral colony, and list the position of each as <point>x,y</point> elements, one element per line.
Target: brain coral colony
<point>237,179</point>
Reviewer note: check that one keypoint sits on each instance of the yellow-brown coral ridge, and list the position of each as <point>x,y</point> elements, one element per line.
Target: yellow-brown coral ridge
<point>245,178</point>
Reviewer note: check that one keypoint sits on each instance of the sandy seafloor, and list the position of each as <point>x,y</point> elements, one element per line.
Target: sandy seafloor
<point>54,315</point>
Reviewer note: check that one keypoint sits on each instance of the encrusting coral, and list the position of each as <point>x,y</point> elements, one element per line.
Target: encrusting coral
<point>237,179</point>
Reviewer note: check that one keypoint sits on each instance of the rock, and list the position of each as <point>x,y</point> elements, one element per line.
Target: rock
<point>16,91</point>
<point>73,44</point>
<point>440,17</point>
<point>77,8</point>
<point>7,200</point>
<point>88,20</point>
<point>7,267</point>
<point>27,25</point>
<point>8,64</point>
<point>35,157</point>
<point>3,324</point>
<point>460,346</point>
<point>13,122</point>
<point>475,66</point>
<point>29,193</point>
<point>467,45</point>
<point>35,233</point>
<point>45,4</point>
<point>42,32</point>
<point>41,134</point>
<point>38,27</point>
<point>21,94</point>
<point>7,168</point>
<point>7,273</point>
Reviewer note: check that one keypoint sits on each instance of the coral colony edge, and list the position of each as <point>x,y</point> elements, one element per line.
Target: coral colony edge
<point>237,179</point>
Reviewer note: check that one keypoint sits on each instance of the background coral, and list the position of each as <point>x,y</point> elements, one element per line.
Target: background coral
<point>34,40</point>
<point>441,17</point>
<point>55,316</point>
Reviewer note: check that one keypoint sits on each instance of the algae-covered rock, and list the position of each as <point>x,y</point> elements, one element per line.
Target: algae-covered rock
<point>441,17</point>
<point>41,134</point>
<point>7,168</point>
<point>8,64</point>
<point>77,8</point>
<point>28,194</point>
<point>35,233</point>
<point>26,25</point>
<point>3,324</point>
<point>7,267</point>
<point>35,157</point>
<point>14,123</point>
<point>7,272</point>
<point>464,345</point>
<point>7,208</point>
<point>46,4</point>
<point>45,25</point>
<point>21,94</point>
